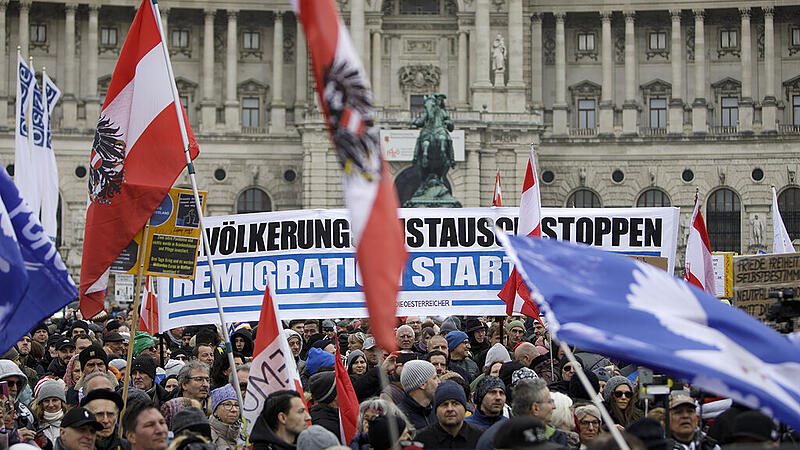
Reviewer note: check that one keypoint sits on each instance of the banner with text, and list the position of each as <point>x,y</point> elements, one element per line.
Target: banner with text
<point>455,266</point>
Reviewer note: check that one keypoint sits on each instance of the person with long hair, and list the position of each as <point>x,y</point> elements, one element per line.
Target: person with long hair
<point>619,398</point>
<point>356,363</point>
<point>49,407</point>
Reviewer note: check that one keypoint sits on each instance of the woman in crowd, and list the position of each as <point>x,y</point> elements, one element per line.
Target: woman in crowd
<point>424,336</point>
<point>356,341</point>
<point>73,373</point>
<point>588,424</point>
<point>368,410</point>
<point>356,363</point>
<point>563,419</point>
<point>49,408</point>
<point>170,382</point>
<point>224,420</point>
<point>619,398</point>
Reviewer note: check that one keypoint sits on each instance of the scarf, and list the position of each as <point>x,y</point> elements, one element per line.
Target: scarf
<point>52,418</point>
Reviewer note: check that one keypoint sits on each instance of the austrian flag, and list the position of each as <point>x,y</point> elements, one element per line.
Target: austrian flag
<point>136,156</point>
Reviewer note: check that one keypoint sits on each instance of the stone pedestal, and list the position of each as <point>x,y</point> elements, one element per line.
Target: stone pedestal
<point>605,122</point>
<point>515,98</point>
<point>69,107</point>
<point>675,125</point>
<point>746,115</point>
<point>699,116</point>
<point>560,120</point>
<point>482,96</point>
<point>630,114</point>
<point>769,112</point>
<point>208,116</point>
<point>499,77</point>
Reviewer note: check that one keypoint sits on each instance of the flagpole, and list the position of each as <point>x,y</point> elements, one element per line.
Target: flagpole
<point>593,395</point>
<point>190,168</point>
<point>135,321</point>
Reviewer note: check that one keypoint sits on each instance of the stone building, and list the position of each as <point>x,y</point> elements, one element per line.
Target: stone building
<point>628,103</point>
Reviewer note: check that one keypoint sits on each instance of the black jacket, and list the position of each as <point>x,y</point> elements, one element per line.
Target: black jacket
<point>434,436</point>
<point>327,417</point>
<point>114,442</point>
<point>367,385</point>
<point>419,416</point>
<point>57,368</point>
<point>263,438</point>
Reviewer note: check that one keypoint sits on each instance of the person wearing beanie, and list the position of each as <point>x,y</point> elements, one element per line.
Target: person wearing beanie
<point>143,375</point>
<point>93,359</point>
<point>516,333</point>
<point>325,411</point>
<point>226,427</point>
<point>49,407</point>
<point>620,401</point>
<point>105,405</point>
<point>419,381</point>
<point>143,342</point>
<point>458,347</point>
<point>316,437</point>
<point>589,423</point>
<point>356,363</point>
<point>449,324</point>
<point>489,398</point>
<point>450,429</point>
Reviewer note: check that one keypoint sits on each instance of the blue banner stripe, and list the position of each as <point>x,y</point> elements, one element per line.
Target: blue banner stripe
<point>229,309</point>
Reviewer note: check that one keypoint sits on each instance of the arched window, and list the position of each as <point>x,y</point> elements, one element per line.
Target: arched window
<point>583,198</point>
<point>653,198</point>
<point>253,200</point>
<point>789,205</point>
<point>724,221</point>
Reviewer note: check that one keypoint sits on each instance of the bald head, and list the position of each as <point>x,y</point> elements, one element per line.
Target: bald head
<point>438,343</point>
<point>525,353</point>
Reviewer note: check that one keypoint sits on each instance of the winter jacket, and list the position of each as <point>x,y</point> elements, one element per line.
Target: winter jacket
<point>263,438</point>
<point>245,334</point>
<point>367,385</point>
<point>419,416</point>
<point>434,436</point>
<point>224,436</point>
<point>482,421</point>
<point>467,366</point>
<point>327,417</point>
<point>113,442</point>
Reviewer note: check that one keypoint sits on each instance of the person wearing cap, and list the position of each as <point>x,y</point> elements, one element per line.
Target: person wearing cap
<point>115,343</point>
<point>49,407</point>
<point>329,329</point>
<point>458,348</point>
<point>91,359</point>
<point>476,331</point>
<point>325,411</point>
<point>282,419</point>
<point>78,327</point>
<point>40,333</point>
<point>369,350</point>
<point>589,423</point>
<point>295,341</point>
<point>226,427</point>
<point>516,334</point>
<point>143,375</point>
<point>619,399</point>
<point>145,427</point>
<point>683,424</point>
<point>105,405</point>
<point>66,350</point>
<point>78,430</point>
<point>419,381</point>
<point>26,360</point>
<point>489,398</point>
<point>450,429</point>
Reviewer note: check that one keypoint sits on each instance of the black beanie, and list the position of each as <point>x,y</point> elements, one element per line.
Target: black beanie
<point>323,386</point>
<point>144,363</point>
<point>92,352</point>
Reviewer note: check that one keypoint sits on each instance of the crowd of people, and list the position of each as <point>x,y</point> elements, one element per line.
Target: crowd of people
<point>460,382</point>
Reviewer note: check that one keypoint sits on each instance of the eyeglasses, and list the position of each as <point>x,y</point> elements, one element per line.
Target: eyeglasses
<point>230,405</point>
<point>568,369</point>
<point>201,379</point>
<point>590,423</point>
<point>620,394</point>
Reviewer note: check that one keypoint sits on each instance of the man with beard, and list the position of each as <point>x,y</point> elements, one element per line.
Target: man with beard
<point>419,381</point>
<point>295,341</point>
<point>143,375</point>
<point>490,397</point>
<point>105,405</point>
<point>450,430</point>
<point>683,421</point>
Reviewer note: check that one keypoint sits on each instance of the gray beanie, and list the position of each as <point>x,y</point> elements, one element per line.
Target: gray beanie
<point>612,384</point>
<point>118,363</point>
<point>450,324</point>
<point>351,357</point>
<point>415,373</point>
<point>316,437</point>
<point>497,352</point>
<point>51,389</point>
<point>173,367</point>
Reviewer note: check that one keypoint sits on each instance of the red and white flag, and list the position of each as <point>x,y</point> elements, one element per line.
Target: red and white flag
<point>781,242</point>
<point>148,306</point>
<point>348,401</point>
<point>273,367</point>
<point>699,270</point>
<point>369,192</point>
<point>497,198</point>
<point>136,156</point>
<point>515,293</point>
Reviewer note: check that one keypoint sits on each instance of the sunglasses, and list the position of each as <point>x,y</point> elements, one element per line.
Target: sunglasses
<point>568,369</point>
<point>620,394</point>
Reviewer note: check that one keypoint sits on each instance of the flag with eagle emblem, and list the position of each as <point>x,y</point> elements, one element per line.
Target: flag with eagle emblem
<point>136,156</point>
<point>369,192</point>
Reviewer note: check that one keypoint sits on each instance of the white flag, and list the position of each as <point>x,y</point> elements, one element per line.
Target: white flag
<point>49,170</point>
<point>24,175</point>
<point>781,242</point>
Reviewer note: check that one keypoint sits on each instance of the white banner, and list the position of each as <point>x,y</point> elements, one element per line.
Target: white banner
<point>398,145</point>
<point>455,264</point>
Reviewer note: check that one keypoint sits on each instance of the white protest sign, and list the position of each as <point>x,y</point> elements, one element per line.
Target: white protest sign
<point>455,265</point>
<point>123,288</point>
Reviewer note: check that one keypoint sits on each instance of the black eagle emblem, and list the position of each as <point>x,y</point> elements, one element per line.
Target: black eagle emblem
<point>107,168</point>
<point>351,116</point>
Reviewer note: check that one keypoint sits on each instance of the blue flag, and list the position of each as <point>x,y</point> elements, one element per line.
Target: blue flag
<point>35,283</point>
<point>614,305</point>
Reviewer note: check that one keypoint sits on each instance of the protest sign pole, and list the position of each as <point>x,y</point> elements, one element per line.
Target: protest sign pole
<point>198,204</point>
<point>593,395</point>
<point>137,294</point>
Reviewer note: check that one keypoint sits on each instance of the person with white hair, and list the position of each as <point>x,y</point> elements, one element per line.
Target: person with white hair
<point>562,418</point>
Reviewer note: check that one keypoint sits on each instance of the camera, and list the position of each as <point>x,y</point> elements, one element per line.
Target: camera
<point>784,311</point>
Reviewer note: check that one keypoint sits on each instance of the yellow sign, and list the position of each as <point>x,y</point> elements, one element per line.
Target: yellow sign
<point>172,239</point>
<point>723,273</point>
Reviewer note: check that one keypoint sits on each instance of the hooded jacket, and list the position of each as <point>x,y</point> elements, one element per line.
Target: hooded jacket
<point>25,419</point>
<point>245,334</point>
<point>263,438</point>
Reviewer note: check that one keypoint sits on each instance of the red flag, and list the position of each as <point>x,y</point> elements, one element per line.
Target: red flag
<point>136,156</point>
<point>699,269</point>
<point>273,367</point>
<point>348,402</point>
<point>497,198</point>
<point>148,303</point>
<point>515,293</point>
<point>369,192</point>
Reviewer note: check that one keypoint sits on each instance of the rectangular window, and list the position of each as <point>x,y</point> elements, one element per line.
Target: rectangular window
<point>251,40</point>
<point>795,36</point>
<point>417,103</point>
<point>585,42</point>
<point>658,40</point>
<point>108,36</point>
<point>796,110</point>
<point>730,111</point>
<point>38,33</point>
<point>586,114</point>
<point>180,39</point>
<point>728,39</point>
<point>185,102</point>
<point>250,108</point>
<point>658,113</point>
<point>422,7</point>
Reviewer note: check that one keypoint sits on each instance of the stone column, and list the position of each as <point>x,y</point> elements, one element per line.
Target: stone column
<point>515,44</point>
<point>3,70</point>
<point>746,102</point>
<point>165,22</point>
<point>536,61</point>
<point>93,101</point>
<point>606,122</point>
<point>278,111</point>
<point>472,185</point>
<point>24,26</point>
<point>483,44</point>
<point>769,104</point>
<point>676,59</point>
<point>395,99</point>
<point>488,171</point>
<point>357,26</point>
<point>630,109</point>
<point>699,110</point>
<point>444,64</point>
<point>377,66</point>
<point>560,104</point>
<point>463,74</point>
<point>208,107</point>
<point>232,116</point>
<point>301,73</point>
<point>69,104</point>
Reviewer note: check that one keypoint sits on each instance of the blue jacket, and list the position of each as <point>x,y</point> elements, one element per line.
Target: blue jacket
<point>481,420</point>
